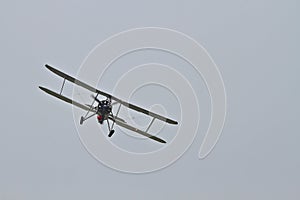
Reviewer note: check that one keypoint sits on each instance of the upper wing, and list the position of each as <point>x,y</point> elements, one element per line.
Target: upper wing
<point>92,89</point>
<point>78,82</point>
<point>147,112</point>
<point>66,99</point>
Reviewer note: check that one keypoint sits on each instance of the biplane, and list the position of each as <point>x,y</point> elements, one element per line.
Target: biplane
<point>103,108</point>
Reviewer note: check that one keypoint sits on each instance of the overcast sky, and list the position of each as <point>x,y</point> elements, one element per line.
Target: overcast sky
<point>256,47</point>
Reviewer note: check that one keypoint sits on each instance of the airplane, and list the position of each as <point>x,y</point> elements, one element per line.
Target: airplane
<point>103,110</point>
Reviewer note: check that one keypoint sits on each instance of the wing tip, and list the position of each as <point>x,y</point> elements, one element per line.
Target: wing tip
<point>158,139</point>
<point>170,121</point>
<point>50,68</point>
<point>47,66</point>
<point>42,88</point>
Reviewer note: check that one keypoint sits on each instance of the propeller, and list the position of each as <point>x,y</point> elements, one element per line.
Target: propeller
<point>96,99</point>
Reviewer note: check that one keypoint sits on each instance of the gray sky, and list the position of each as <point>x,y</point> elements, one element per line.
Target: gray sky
<point>254,43</point>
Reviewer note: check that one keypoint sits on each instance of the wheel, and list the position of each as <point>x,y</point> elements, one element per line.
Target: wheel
<point>81,120</point>
<point>111,133</point>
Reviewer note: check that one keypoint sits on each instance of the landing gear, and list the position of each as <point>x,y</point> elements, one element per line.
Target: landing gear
<point>81,120</point>
<point>111,132</point>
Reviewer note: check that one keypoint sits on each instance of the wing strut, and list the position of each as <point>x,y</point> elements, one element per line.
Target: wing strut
<point>62,87</point>
<point>150,124</point>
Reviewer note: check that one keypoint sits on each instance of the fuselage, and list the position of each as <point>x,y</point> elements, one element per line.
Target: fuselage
<point>103,110</point>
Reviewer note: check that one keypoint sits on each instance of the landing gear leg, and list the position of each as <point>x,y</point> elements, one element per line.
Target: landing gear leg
<point>111,131</point>
<point>82,119</point>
